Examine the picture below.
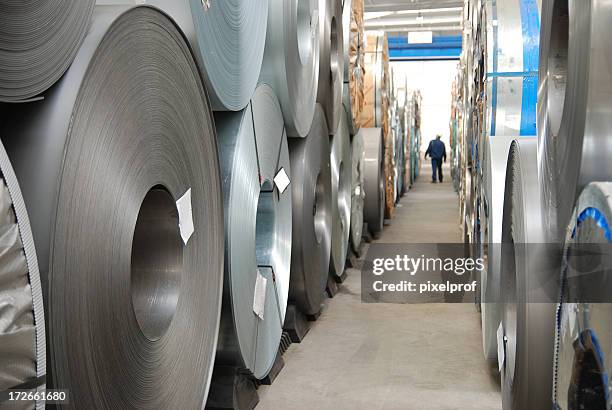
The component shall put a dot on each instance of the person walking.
(437, 152)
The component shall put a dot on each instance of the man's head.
(438, 136)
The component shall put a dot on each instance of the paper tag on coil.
(357, 190)
(281, 180)
(501, 350)
(185, 216)
(259, 297)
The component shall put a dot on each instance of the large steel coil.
(119, 170)
(357, 191)
(574, 105)
(253, 153)
(291, 60)
(22, 334)
(513, 32)
(341, 176)
(374, 182)
(527, 326)
(331, 63)
(312, 216)
(227, 38)
(354, 70)
(495, 156)
(583, 345)
(38, 41)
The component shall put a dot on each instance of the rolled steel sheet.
(583, 343)
(227, 38)
(512, 42)
(574, 105)
(291, 60)
(341, 177)
(495, 156)
(357, 191)
(354, 69)
(374, 183)
(527, 327)
(331, 61)
(253, 151)
(126, 164)
(22, 335)
(38, 41)
(312, 216)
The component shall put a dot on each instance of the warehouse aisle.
(386, 356)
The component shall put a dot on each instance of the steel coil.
(495, 156)
(312, 216)
(354, 69)
(22, 334)
(374, 183)
(575, 101)
(252, 152)
(357, 191)
(331, 62)
(583, 345)
(38, 42)
(227, 38)
(526, 327)
(291, 60)
(341, 176)
(513, 32)
(119, 170)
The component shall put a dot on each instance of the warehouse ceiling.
(442, 17)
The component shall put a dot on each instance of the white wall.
(434, 79)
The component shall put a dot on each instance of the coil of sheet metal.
(312, 215)
(227, 38)
(374, 183)
(354, 71)
(512, 42)
(253, 152)
(331, 61)
(357, 191)
(583, 335)
(22, 336)
(527, 267)
(291, 60)
(341, 176)
(574, 104)
(33, 59)
(139, 228)
(495, 156)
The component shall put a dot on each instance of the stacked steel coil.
(253, 152)
(38, 42)
(341, 178)
(374, 180)
(312, 216)
(126, 185)
(331, 62)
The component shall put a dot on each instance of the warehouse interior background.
(243, 204)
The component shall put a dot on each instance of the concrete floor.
(392, 356)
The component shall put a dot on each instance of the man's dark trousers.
(436, 165)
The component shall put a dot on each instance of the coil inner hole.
(156, 263)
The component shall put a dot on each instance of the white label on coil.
(501, 350)
(282, 180)
(185, 216)
(357, 190)
(259, 298)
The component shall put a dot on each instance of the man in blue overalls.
(437, 152)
